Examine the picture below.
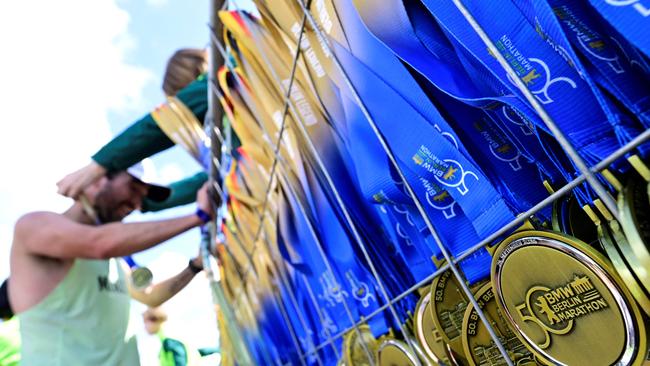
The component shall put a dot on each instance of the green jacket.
(144, 138)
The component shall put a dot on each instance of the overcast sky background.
(74, 73)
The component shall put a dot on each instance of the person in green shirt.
(185, 80)
(172, 351)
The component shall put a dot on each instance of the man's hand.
(73, 184)
(204, 200)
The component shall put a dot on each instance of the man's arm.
(158, 293)
(53, 235)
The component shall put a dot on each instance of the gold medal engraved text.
(554, 309)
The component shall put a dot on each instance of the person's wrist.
(97, 168)
(203, 215)
(193, 267)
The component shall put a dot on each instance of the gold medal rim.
(436, 321)
(420, 308)
(141, 277)
(556, 214)
(402, 346)
(348, 343)
(456, 356)
(637, 351)
(468, 311)
(623, 267)
(630, 225)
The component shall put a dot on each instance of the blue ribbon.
(630, 17)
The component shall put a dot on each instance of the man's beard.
(106, 208)
(107, 215)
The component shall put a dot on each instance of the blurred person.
(74, 296)
(172, 351)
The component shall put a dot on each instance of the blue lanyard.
(630, 17)
(570, 25)
(495, 149)
(509, 112)
(387, 107)
(551, 80)
(298, 240)
(275, 328)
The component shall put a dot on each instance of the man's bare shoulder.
(33, 220)
(36, 222)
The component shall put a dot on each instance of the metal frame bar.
(600, 190)
(409, 188)
(518, 221)
(277, 157)
(587, 174)
(339, 200)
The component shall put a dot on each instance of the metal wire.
(586, 174)
(283, 279)
(338, 198)
(276, 151)
(552, 126)
(407, 185)
(645, 136)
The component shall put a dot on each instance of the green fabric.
(183, 192)
(207, 351)
(144, 138)
(83, 321)
(10, 343)
(172, 353)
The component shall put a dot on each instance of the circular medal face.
(567, 304)
(427, 333)
(353, 349)
(448, 305)
(478, 343)
(634, 211)
(392, 352)
(141, 277)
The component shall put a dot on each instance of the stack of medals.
(402, 101)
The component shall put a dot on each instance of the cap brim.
(158, 193)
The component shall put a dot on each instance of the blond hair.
(183, 67)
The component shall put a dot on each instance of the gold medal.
(620, 253)
(566, 302)
(477, 342)
(634, 208)
(448, 305)
(393, 352)
(427, 334)
(569, 218)
(141, 277)
(353, 350)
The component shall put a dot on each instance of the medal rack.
(221, 134)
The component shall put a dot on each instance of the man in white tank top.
(68, 289)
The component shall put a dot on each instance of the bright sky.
(74, 73)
